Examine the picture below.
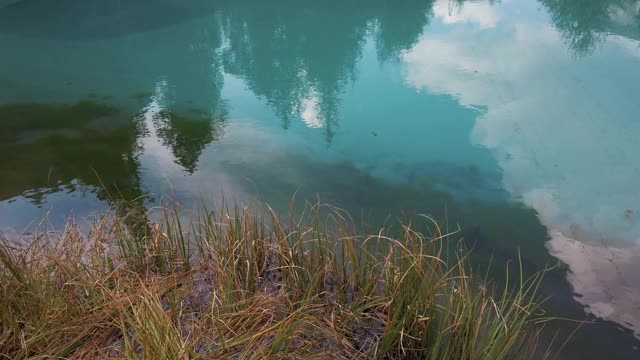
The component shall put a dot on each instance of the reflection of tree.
(297, 55)
(186, 137)
(94, 146)
(49, 148)
(285, 57)
(300, 56)
(57, 144)
(97, 18)
(584, 24)
(183, 127)
(400, 24)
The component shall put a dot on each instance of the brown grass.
(238, 284)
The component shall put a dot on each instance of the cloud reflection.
(571, 160)
(481, 13)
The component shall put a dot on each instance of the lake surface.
(517, 120)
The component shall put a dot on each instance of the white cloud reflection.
(309, 112)
(565, 133)
(480, 13)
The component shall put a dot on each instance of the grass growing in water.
(241, 284)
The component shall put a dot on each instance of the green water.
(517, 120)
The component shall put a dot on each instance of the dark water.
(517, 120)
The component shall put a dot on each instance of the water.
(516, 119)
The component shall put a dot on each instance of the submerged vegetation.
(254, 284)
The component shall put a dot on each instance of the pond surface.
(518, 120)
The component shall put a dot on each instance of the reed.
(253, 284)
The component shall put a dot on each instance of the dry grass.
(237, 284)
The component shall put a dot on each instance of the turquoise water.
(516, 119)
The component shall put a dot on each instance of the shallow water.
(516, 119)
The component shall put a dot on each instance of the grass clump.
(241, 284)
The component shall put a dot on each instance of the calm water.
(520, 118)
